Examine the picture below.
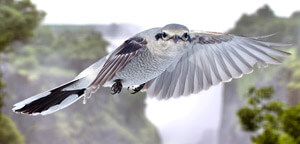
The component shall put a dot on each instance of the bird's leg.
(116, 87)
(139, 88)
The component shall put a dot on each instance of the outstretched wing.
(210, 59)
(119, 59)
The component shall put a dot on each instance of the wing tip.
(286, 53)
(263, 36)
(26, 107)
(17, 106)
(17, 109)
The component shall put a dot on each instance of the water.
(184, 120)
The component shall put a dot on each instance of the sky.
(183, 118)
(210, 15)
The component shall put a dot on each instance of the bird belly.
(141, 69)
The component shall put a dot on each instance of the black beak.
(175, 38)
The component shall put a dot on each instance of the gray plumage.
(171, 61)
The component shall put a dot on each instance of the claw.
(116, 87)
(139, 88)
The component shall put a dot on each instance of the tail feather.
(50, 101)
(62, 96)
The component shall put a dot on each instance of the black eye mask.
(160, 36)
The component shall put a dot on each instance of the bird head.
(175, 33)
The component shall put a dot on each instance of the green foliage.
(291, 121)
(2, 92)
(273, 121)
(264, 22)
(18, 18)
(293, 85)
(268, 136)
(17, 22)
(119, 119)
(250, 118)
(286, 139)
(265, 12)
(60, 53)
(9, 133)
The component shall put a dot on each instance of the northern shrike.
(171, 61)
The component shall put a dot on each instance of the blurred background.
(46, 43)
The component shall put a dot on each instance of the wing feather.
(261, 53)
(183, 79)
(230, 60)
(212, 58)
(119, 59)
(221, 61)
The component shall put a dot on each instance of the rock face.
(262, 22)
(104, 119)
(230, 132)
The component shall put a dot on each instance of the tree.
(264, 22)
(58, 53)
(9, 133)
(285, 77)
(265, 12)
(287, 30)
(2, 92)
(293, 86)
(272, 121)
(18, 18)
(55, 55)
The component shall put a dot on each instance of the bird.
(166, 62)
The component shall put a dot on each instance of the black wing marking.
(119, 59)
(55, 97)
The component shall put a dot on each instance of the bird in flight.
(169, 61)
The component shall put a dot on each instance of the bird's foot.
(139, 88)
(116, 87)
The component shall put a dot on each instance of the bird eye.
(164, 35)
(185, 36)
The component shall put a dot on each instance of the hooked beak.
(175, 38)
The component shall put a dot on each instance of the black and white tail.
(50, 101)
(62, 96)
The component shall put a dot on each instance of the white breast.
(141, 69)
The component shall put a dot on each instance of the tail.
(50, 101)
(62, 96)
